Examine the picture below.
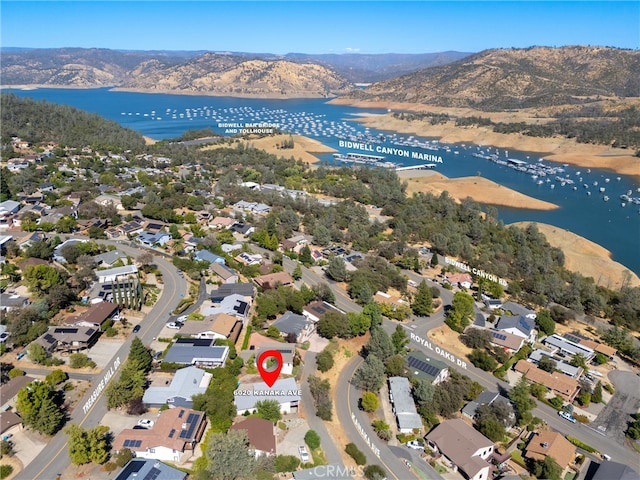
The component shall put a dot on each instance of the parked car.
(414, 444)
(145, 423)
(173, 325)
(182, 318)
(136, 329)
(304, 455)
(567, 416)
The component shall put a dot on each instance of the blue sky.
(318, 27)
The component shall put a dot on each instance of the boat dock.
(424, 166)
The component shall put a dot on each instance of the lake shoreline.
(554, 149)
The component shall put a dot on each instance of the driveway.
(613, 419)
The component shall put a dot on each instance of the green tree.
(39, 406)
(369, 402)
(40, 278)
(87, 446)
(139, 356)
(482, 360)
(337, 269)
(312, 439)
(269, 410)
(596, 396)
(359, 323)
(229, 455)
(380, 344)
(422, 304)
(545, 322)
(399, 339)
(374, 472)
(37, 354)
(324, 360)
(395, 365)
(547, 364)
(370, 375)
(520, 395)
(56, 377)
(461, 311)
(297, 272)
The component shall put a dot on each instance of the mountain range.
(495, 79)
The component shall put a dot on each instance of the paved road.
(421, 325)
(54, 457)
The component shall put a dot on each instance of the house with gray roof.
(147, 469)
(517, 309)
(566, 347)
(403, 405)
(486, 397)
(615, 471)
(113, 274)
(197, 351)
(226, 289)
(291, 322)
(107, 259)
(524, 327)
(12, 301)
(561, 365)
(153, 238)
(236, 305)
(186, 383)
(427, 368)
(207, 256)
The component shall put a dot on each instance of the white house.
(113, 274)
(289, 395)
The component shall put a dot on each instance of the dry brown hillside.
(502, 79)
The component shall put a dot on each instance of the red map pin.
(269, 376)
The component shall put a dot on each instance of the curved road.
(54, 458)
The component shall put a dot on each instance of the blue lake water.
(583, 209)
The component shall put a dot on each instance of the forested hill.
(502, 79)
(41, 121)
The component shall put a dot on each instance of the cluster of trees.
(41, 121)
(86, 446)
(40, 407)
(128, 389)
(217, 401)
(321, 392)
(492, 420)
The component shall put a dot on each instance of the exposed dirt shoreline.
(482, 190)
(556, 149)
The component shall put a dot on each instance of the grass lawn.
(318, 457)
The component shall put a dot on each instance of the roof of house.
(459, 441)
(173, 429)
(273, 279)
(126, 270)
(287, 350)
(261, 391)
(506, 339)
(152, 237)
(319, 308)
(519, 322)
(186, 383)
(598, 347)
(109, 257)
(191, 350)
(67, 335)
(406, 412)
(232, 304)
(424, 367)
(459, 278)
(486, 397)
(259, 433)
(223, 221)
(13, 386)
(208, 256)
(97, 313)
(556, 381)
(8, 420)
(222, 271)
(147, 469)
(561, 365)
(568, 346)
(226, 289)
(551, 444)
(291, 323)
(12, 300)
(615, 471)
(517, 309)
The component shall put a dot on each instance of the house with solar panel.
(201, 352)
(564, 346)
(426, 368)
(68, 339)
(175, 433)
(141, 469)
(519, 325)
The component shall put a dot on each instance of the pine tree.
(422, 301)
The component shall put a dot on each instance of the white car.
(304, 455)
(415, 445)
(567, 416)
(182, 318)
(143, 422)
(173, 325)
